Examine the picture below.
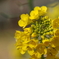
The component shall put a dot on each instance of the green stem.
(30, 3)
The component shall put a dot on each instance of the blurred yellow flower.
(53, 10)
(56, 33)
(44, 8)
(40, 48)
(55, 40)
(38, 55)
(18, 34)
(46, 42)
(34, 35)
(50, 55)
(43, 11)
(37, 8)
(55, 23)
(30, 51)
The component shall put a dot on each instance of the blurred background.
(10, 11)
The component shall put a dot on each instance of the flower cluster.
(41, 38)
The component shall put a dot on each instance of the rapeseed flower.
(56, 32)
(40, 48)
(34, 15)
(37, 8)
(55, 23)
(40, 39)
(28, 30)
(55, 40)
(24, 21)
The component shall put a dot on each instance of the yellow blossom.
(24, 17)
(40, 48)
(24, 21)
(50, 56)
(28, 30)
(34, 15)
(21, 47)
(38, 55)
(55, 23)
(46, 42)
(31, 46)
(37, 8)
(56, 33)
(30, 51)
(18, 34)
(44, 8)
(34, 57)
(51, 52)
(33, 43)
(55, 40)
(25, 38)
(41, 38)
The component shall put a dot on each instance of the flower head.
(41, 38)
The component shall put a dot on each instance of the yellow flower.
(21, 47)
(55, 23)
(37, 8)
(55, 40)
(22, 37)
(34, 57)
(44, 8)
(25, 38)
(24, 21)
(18, 34)
(51, 52)
(43, 11)
(38, 55)
(40, 48)
(33, 43)
(36, 40)
(50, 56)
(46, 42)
(56, 33)
(22, 41)
(24, 17)
(31, 46)
(30, 51)
(28, 30)
(34, 15)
